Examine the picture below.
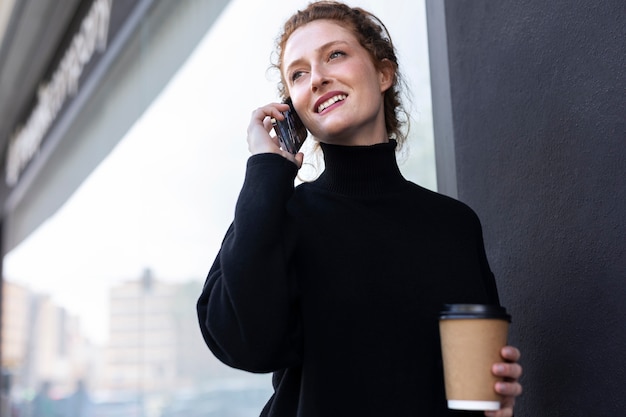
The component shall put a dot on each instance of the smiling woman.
(313, 57)
(111, 276)
(348, 110)
(335, 285)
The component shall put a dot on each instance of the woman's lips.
(328, 100)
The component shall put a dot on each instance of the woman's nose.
(319, 79)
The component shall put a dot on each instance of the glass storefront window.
(99, 302)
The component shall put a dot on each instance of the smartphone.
(290, 131)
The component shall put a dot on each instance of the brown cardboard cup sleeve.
(471, 338)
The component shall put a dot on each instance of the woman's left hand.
(510, 371)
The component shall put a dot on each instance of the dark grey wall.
(530, 125)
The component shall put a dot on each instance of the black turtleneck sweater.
(335, 285)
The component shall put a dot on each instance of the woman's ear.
(387, 74)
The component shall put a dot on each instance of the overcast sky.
(165, 196)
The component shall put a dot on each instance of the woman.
(335, 286)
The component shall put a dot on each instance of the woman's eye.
(295, 75)
(336, 54)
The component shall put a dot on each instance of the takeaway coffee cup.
(472, 336)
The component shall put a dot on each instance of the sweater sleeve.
(247, 309)
(489, 280)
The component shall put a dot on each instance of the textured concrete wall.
(536, 124)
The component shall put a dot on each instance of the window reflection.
(99, 303)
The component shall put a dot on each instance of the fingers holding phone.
(290, 133)
(259, 138)
(290, 130)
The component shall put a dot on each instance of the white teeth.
(331, 101)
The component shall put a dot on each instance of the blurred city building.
(42, 343)
(154, 344)
(154, 348)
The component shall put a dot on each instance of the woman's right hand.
(259, 138)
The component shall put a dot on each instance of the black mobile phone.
(290, 131)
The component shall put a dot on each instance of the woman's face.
(334, 86)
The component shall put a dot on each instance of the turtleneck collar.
(360, 170)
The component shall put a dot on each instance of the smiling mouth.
(330, 102)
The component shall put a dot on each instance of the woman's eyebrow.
(330, 44)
